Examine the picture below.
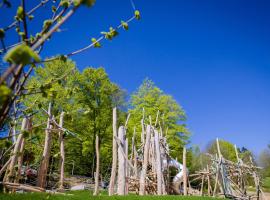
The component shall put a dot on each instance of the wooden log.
(218, 148)
(23, 187)
(5, 167)
(114, 154)
(158, 164)
(20, 161)
(62, 152)
(216, 180)
(44, 164)
(11, 171)
(145, 161)
(202, 185)
(127, 166)
(208, 182)
(121, 189)
(184, 171)
(96, 191)
(143, 132)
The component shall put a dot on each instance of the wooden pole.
(202, 185)
(208, 182)
(114, 149)
(20, 161)
(62, 152)
(184, 171)
(11, 171)
(96, 191)
(44, 164)
(158, 164)
(145, 161)
(127, 167)
(121, 189)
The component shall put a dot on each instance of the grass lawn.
(86, 195)
(266, 184)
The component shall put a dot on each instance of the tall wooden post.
(62, 152)
(121, 190)
(96, 192)
(202, 185)
(13, 160)
(158, 164)
(44, 164)
(127, 166)
(114, 159)
(184, 171)
(145, 161)
(208, 182)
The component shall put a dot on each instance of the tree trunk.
(62, 153)
(96, 192)
(114, 154)
(44, 164)
(145, 161)
(121, 189)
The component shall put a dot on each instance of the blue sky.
(212, 56)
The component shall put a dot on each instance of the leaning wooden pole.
(44, 164)
(96, 191)
(62, 152)
(145, 160)
(114, 158)
(13, 160)
(184, 171)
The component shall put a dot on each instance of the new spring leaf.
(21, 54)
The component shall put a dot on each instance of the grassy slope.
(86, 195)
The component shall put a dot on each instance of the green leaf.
(137, 14)
(53, 9)
(5, 93)
(2, 33)
(20, 13)
(88, 3)
(47, 24)
(30, 17)
(64, 3)
(124, 25)
(21, 54)
(96, 44)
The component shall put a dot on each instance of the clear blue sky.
(213, 57)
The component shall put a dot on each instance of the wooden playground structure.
(145, 168)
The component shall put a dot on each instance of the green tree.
(226, 148)
(171, 115)
(87, 99)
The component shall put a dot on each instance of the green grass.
(85, 195)
(266, 184)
